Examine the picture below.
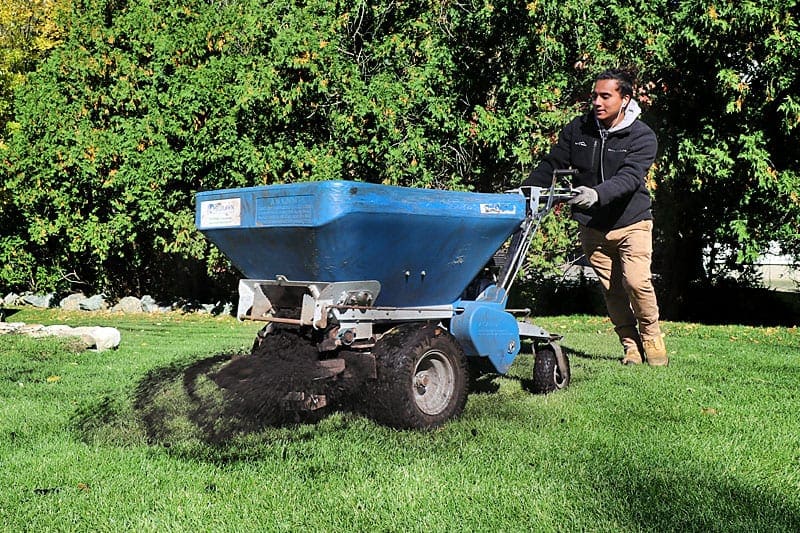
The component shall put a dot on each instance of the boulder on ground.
(94, 303)
(102, 338)
(10, 327)
(149, 305)
(72, 302)
(129, 304)
(39, 300)
(98, 337)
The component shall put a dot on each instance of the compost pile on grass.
(260, 389)
(219, 397)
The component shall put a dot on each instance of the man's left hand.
(585, 198)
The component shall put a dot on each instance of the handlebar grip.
(561, 172)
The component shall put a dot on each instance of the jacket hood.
(632, 112)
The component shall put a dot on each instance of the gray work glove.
(585, 198)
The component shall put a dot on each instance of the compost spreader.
(399, 293)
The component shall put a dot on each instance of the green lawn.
(118, 440)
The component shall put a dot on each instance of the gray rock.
(107, 338)
(39, 300)
(99, 337)
(94, 303)
(219, 308)
(61, 330)
(10, 327)
(129, 304)
(102, 338)
(186, 306)
(85, 334)
(11, 299)
(149, 305)
(35, 330)
(58, 330)
(72, 302)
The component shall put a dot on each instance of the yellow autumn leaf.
(53, 379)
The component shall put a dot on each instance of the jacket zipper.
(603, 137)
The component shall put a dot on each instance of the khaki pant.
(621, 259)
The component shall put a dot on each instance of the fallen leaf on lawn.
(53, 379)
(709, 411)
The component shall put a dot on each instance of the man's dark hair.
(624, 80)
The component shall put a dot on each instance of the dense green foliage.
(27, 31)
(160, 99)
(147, 102)
(728, 120)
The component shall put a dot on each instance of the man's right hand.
(585, 198)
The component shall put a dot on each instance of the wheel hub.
(421, 381)
(434, 379)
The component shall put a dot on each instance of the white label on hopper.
(498, 209)
(220, 213)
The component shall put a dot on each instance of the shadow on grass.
(522, 372)
(203, 402)
(170, 406)
(5, 312)
(662, 494)
(223, 398)
(580, 354)
(220, 398)
(180, 407)
(742, 305)
(725, 304)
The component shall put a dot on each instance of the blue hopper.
(413, 281)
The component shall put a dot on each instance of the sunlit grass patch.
(143, 438)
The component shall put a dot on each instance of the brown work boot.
(632, 355)
(655, 351)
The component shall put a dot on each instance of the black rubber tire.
(547, 376)
(421, 378)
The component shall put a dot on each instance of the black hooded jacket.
(615, 166)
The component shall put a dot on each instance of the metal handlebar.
(521, 240)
